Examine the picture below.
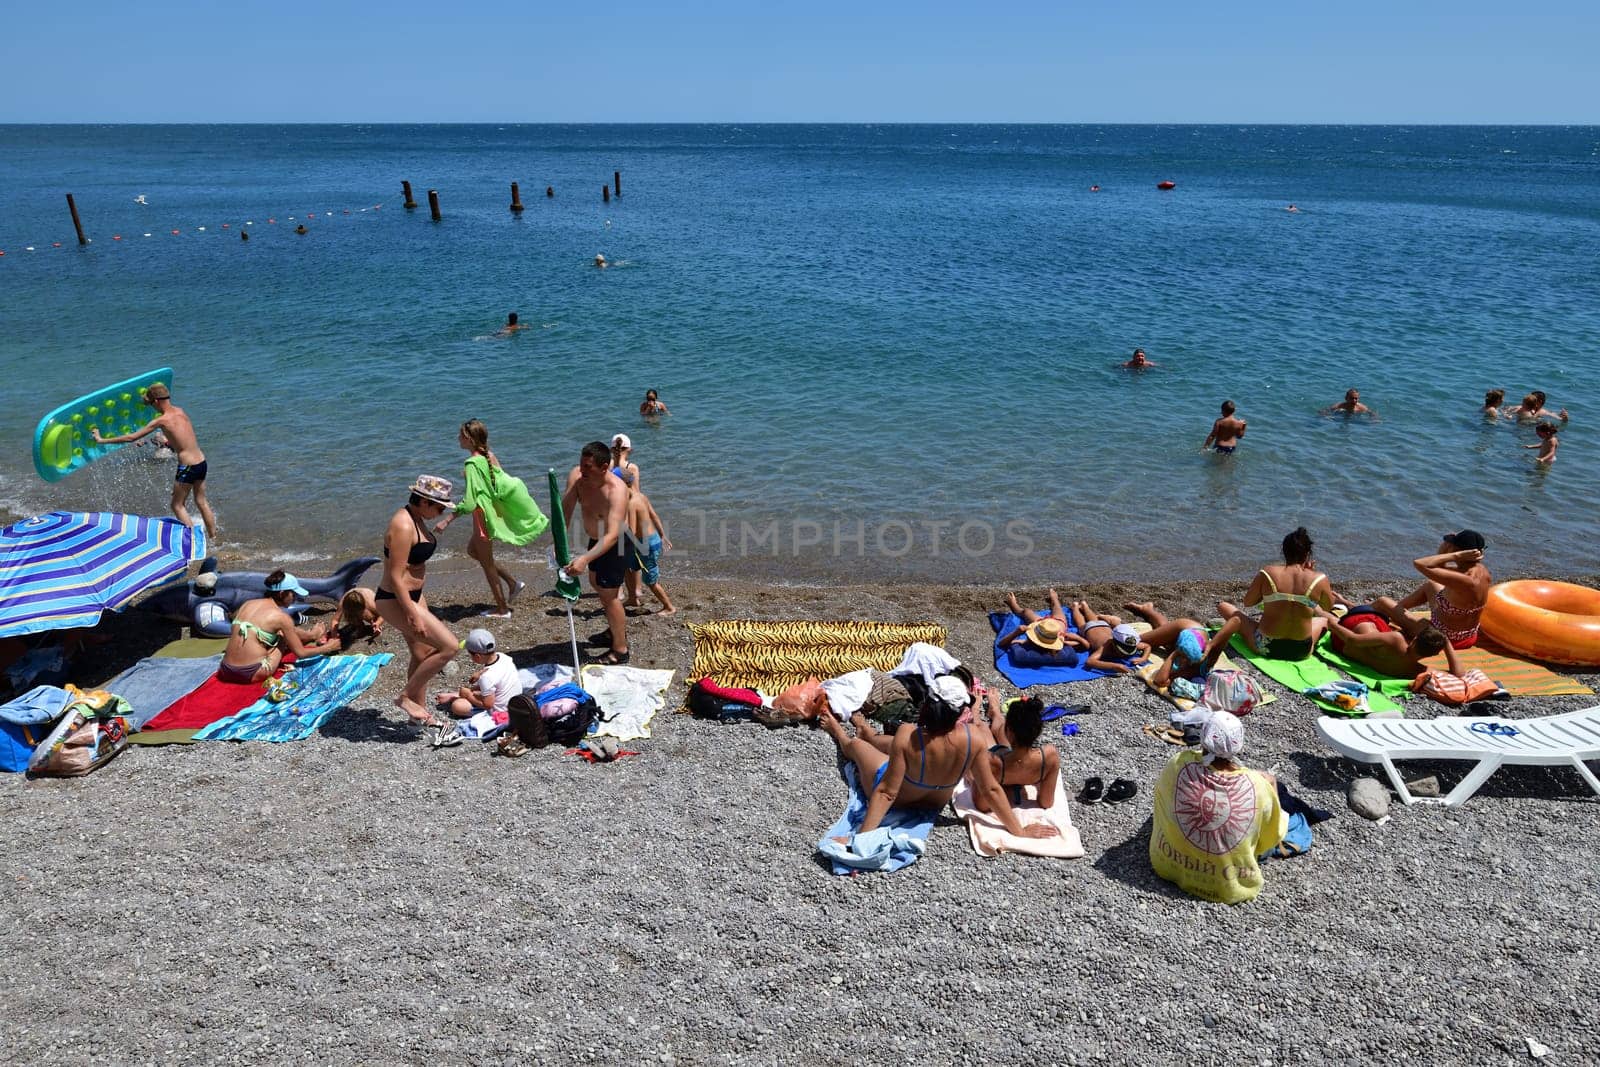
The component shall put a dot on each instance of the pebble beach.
(360, 897)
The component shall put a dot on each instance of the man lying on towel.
(1391, 646)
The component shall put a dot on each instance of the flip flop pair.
(1094, 791)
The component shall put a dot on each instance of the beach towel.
(1184, 704)
(990, 837)
(1003, 622)
(1302, 674)
(192, 648)
(1516, 674)
(772, 656)
(214, 700)
(897, 843)
(317, 688)
(629, 698)
(157, 682)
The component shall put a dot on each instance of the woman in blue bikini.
(1289, 594)
(942, 755)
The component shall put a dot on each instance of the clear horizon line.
(1542, 124)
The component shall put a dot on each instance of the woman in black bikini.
(1015, 760)
(407, 547)
(942, 755)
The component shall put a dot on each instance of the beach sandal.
(1170, 734)
(1093, 790)
(516, 591)
(613, 659)
(1056, 711)
(1121, 789)
(511, 746)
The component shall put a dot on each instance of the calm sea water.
(890, 351)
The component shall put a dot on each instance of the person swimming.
(1492, 400)
(1139, 361)
(1547, 443)
(511, 326)
(1350, 405)
(600, 261)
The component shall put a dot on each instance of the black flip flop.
(1121, 789)
(1093, 790)
(612, 659)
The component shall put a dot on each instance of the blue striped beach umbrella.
(65, 568)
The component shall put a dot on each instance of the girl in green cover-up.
(501, 510)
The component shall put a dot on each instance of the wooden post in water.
(433, 204)
(616, 179)
(516, 200)
(605, 193)
(410, 203)
(77, 224)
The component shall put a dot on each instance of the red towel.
(214, 700)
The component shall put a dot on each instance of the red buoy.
(1166, 185)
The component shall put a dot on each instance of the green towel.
(1382, 683)
(509, 513)
(1300, 675)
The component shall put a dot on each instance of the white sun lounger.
(1564, 740)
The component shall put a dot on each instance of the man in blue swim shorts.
(173, 423)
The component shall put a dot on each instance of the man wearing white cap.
(1213, 817)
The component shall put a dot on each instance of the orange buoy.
(1554, 621)
(1166, 185)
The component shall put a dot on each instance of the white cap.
(949, 688)
(1222, 736)
(622, 440)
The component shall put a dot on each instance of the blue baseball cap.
(290, 584)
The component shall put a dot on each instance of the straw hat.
(432, 487)
(1048, 634)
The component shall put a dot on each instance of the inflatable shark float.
(207, 603)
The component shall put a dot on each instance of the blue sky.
(616, 61)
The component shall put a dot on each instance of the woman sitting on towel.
(926, 761)
(1041, 640)
(1016, 757)
(1289, 595)
(263, 632)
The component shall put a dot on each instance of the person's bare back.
(174, 422)
(640, 514)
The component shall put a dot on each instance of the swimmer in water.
(1532, 407)
(652, 406)
(1547, 443)
(1292, 210)
(301, 229)
(1138, 361)
(511, 326)
(1350, 405)
(1491, 403)
(1225, 432)
(600, 261)
(1094, 188)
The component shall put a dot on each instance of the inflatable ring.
(1553, 621)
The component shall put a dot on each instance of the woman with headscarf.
(1213, 817)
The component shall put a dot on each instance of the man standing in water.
(173, 423)
(604, 502)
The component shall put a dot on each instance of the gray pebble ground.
(361, 898)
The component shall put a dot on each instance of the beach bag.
(28, 720)
(536, 731)
(89, 735)
(1447, 688)
(709, 700)
(796, 704)
(1231, 691)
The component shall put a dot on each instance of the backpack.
(1232, 691)
(536, 731)
(708, 700)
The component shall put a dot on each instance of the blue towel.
(902, 837)
(154, 684)
(25, 722)
(322, 687)
(564, 691)
(1297, 839)
(1022, 677)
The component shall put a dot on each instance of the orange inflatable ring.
(1554, 621)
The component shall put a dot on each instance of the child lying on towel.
(1193, 654)
(1041, 640)
(1394, 646)
(1114, 646)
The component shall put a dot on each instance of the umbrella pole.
(572, 631)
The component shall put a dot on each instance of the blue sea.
(890, 352)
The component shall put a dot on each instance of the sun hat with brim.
(432, 487)
(1126, 638)
(1048, 634)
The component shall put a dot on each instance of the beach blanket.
(1300, 675)
(192, 648)
(213, 700)
(1003, 622)
(898, 843)
(990, 837)
(318, 688)
(1148, 672)
(157, 682)
(629, 698)
(772, 656)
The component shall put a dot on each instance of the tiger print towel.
(772, 656)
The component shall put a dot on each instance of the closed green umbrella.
(566, 585)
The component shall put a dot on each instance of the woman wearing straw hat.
(407, 547)
(1041, 640)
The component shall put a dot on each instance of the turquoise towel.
(323, 686)
(901, 839)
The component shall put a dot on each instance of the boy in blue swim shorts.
(645, 546)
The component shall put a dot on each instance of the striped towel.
(772, 656)
(1517, 676)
